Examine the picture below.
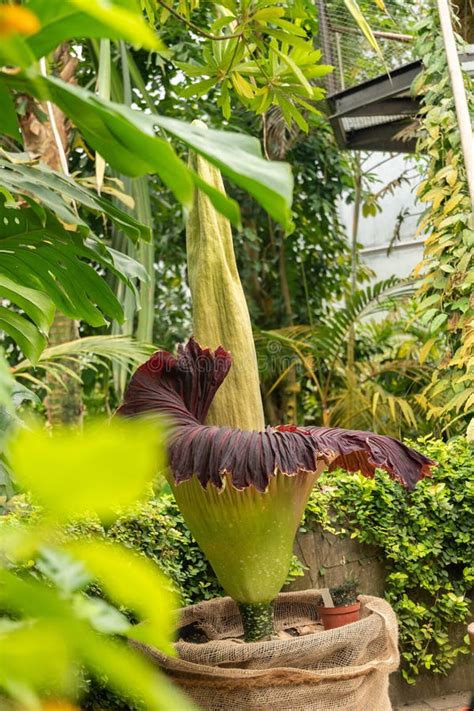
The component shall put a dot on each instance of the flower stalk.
(257, 620)
(220, 313)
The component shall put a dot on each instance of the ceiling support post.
(459, 92)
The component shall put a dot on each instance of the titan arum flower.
(241, 488)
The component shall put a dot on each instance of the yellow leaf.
(424, 352)
(364, 26)
(242, 86)
(375, 402)
(269, 13)
(418, 268)
(470, 431)
(452, 177)
(435, 194)
(421, 187)
(452, 202)
(391, 404)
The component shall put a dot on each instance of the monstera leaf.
(43, 265)
(129, 142)
(47, 251)
(19, 174)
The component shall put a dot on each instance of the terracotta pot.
(333, 617)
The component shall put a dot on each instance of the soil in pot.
(333, 617)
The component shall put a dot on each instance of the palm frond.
(66, 359)
(331, 336)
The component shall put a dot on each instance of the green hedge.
(426, 539)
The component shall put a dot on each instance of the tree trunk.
(64, 400)
(465, 11)
(291, 385)
(353, 287)
(45, 131)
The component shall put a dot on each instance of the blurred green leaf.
(116, 19)
(30, 598)
(106, 467)
(68, 574)
(8, 118)
(123, 17)
(15, 51)
(115, 568)
(35, 654)
(102, 616)
(134, 676)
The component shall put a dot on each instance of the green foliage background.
(426, 543)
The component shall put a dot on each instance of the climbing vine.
(446, 294)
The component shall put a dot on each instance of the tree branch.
(196, 28)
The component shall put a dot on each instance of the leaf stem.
(196, 28)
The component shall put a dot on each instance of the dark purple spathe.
(183, 388)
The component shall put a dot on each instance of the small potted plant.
(345, 606)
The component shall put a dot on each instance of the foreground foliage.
(426, 542)
(51, 628)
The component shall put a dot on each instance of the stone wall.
(329, 561)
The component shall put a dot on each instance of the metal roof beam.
(395, 106)
(383, 87)
(381, 138)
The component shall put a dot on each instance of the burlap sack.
(338, 670)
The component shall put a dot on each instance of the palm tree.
(378, 389)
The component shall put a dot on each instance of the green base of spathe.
(247, 536)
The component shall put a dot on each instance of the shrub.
(426, 539)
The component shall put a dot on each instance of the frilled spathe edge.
(183, 388)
